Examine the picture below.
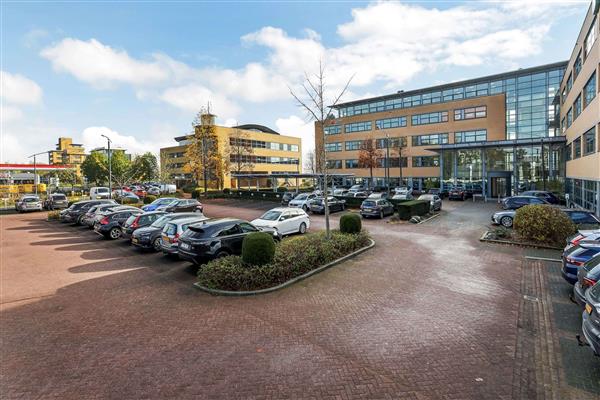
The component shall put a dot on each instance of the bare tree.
(239, 151)
(313, 163)
(368, 156)
(312, 99)
(398, 146)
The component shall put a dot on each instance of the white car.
(28, 202)
(402, 196)
(286, 220)
(99, 192)
(303, 201)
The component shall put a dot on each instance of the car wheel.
(114, 233)
(78, 222)
(302, 228)
(156, 244)
(221, 254)
(305, 208)
(506, 222)
(381, 215)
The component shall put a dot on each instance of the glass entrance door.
(499, 187)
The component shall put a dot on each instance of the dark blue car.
(574, 257)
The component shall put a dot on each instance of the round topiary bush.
(258, 248)
(543, 224)
(350, 223)
(149, 199)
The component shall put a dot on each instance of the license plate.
(588, 308)
(134, 240)
(184, 246)
(166, 239)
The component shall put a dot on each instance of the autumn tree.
(368, 155)
(239, 151)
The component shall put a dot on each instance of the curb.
(430, 218)
(283, 285)
(536, 246)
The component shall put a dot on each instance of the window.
(426, 161)
(569, 83)
(334, 164)
(351, 164)
(577, 107)
(563, 125)
(589, 40)
(390, 123)
(569, 152)
(589, 142)
(470, 113)
(358, 127)
(429, 118)
(353, 145)
(394, 142)
(425, 140)
(577, 148)
(333, 146)
(332, 129)
(577, 65)
(470, 136)
(589, 90)
(246, 227)
(569, 117)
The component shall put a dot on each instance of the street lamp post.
(35, 169)
(109, 167)
(387, 162)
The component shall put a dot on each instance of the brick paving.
(429, 313)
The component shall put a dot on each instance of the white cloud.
(34, 37)
(91, 138)
(18, 89)
(193, 97)
(102, 66)
(9, 113)
(298, 127)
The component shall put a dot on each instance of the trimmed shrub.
(410, 208)
(543, 224)
(258, 248)
(53, 215)
(149, 199)
(350, 223)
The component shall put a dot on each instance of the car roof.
(211, 223)
(154, 212)
(183, 221)
(522, 197)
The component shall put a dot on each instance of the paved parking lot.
(429, 313)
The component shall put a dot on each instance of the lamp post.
(109, 167)
(387, 162)
(35, 168)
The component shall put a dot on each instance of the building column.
(515, 185)
(483, 174)
(441, 171)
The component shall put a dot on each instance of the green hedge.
(408, 209)
(293, 257)
(350, 223)
(258, 248)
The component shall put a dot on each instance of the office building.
(67, 153)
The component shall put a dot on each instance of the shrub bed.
(543, 224)
(410, 208)
(293, 257)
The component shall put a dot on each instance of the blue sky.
(138, 71)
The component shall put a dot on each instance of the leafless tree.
(312, 99)
(239, 151)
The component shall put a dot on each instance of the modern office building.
(246, 149)
(67, 153)
(580, 117)
(498, 134)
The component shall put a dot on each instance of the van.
(100, 192)
(168, 189)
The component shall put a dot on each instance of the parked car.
(590, 324)
(587, 276)
(182, 205)
(504, 218)
(154, 191)
(435, 191)
(99, 192)
(287, 196)
(584, 234)
(341, 192)
(28, 202)
(376, 208)
(110, 225)
(137, 221)
(403, 196)
(358, 188)
(76, 211)
(581, 218)
(359, 195)
(457, 193)
(317, 205)
(302, 201)
(89, 217)
(139, 192)
(168, 188)
(434, 200)
(402, 189)
(285, 220)
(574, 257)
(548, 196)
(124, 196)
(516, 202)
(56, 201)
(378, 195)
(163, 201)
(216, 238)
(169, 239)
(149, 237)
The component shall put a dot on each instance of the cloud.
(17, 89)
(9, 113)
(91, 138)
(102, 66)
(297, 127)
(193, 97)
(34, 37)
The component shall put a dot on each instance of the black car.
(587, 276)
(110, 225)
(183, 205)
(76, 212)
(582, 218)
(457, 193)
(149, 237)
(591, 318)
(216, 238)
(376, 208)
(55, 201)
(317, 205)
(287, 196)
(137, 221)
(516, 202)
(548, 196)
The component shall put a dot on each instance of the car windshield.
(59, 197)
(161, 222)
(301, 197)
(130, 220)
(369, 203)
(163, 201)
(592, 263)
(271, 215)
(30, 199)
(170, 229)
(102, 190)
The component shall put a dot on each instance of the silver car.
(29, 202)
(504, 218)
(433, 199)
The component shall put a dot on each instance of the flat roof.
(286, 175)
(444, 86)
(246, 127)
(500, 143)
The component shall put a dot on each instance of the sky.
(139, 71)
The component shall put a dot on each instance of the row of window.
(176, 155)
(588, 42)
(260, 144)
(584, 144)
(392, 162)
(252, 159)
(581, 102)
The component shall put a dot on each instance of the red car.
(139, 192)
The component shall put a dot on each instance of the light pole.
(387, 162)
(109, 167)
(35, 168)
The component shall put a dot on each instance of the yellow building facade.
(68, 153)
(270, 152)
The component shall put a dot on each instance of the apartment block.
(67, 153)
